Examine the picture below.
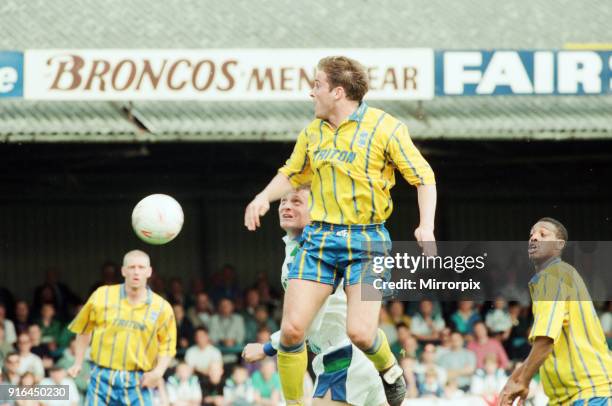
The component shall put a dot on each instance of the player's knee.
(291, 333)
(362, 336)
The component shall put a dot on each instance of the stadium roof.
(462, 24)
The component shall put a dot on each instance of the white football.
(157, 219)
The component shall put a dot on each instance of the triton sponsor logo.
(333, 154)
(129, 324)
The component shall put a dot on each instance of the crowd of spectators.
(447, 349)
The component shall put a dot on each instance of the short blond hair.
(135, 253)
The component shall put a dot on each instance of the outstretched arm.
(518, 383)
(277, 188)
(427, 198)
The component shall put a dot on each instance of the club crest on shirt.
(153, 316)
(363, 138)
(342, 233)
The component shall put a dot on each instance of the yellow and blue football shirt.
(580, 366)
(126, 337)
(351, 169)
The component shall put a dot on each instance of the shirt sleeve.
(166, 334)
(84, 322)
(275, 339)
(407, 158)
(549, 314)
(297, 168)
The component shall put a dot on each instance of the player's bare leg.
(303, 300)
(362, 329)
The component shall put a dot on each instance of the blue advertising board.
(11, 74)
(523, 72)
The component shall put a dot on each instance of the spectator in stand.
(8, 300)
(51, 328)
(224, 284)
(267, 384)
(430, 387)
(158, 286)
(39, 348)
(238, 390)
(261, 319)
(176, 294)
(227, 331)
(428, 357)
(212, 385)
(29, 362)
(425, 325)
(196, 286)
(184, 387)
(407, 364)
(267, 295)
(517, 346)
(184, 330)
(452, 391)
(403, 332)
(56, 292)
(109, 273)
(10, 335)
(411, 348)
(465, 317)
(459, 363)
(27, 379)
(512, 290)
(397, 312)
(58, 376)
(67, 360)
(203, 354)
(263, 336)
(489, 381)
(484, 345)
(498, 319)
(5, 348)
(22, 317)
(10, 371)
(251, 301)
(606, 323)
(200, 314)
(445, 343)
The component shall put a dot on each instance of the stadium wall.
(76, 237)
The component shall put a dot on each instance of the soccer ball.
(157, 219)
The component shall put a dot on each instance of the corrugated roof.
(469, 24)
(24, 121)
(453, 118)
(460, 24)
(479, 117)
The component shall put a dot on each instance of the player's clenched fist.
(426, 240)
(257, 208)
(74, 370)
(253, 352)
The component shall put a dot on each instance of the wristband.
(269, 350)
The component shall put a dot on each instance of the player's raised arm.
(277, 188)
(415, 169)
(296, 172)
